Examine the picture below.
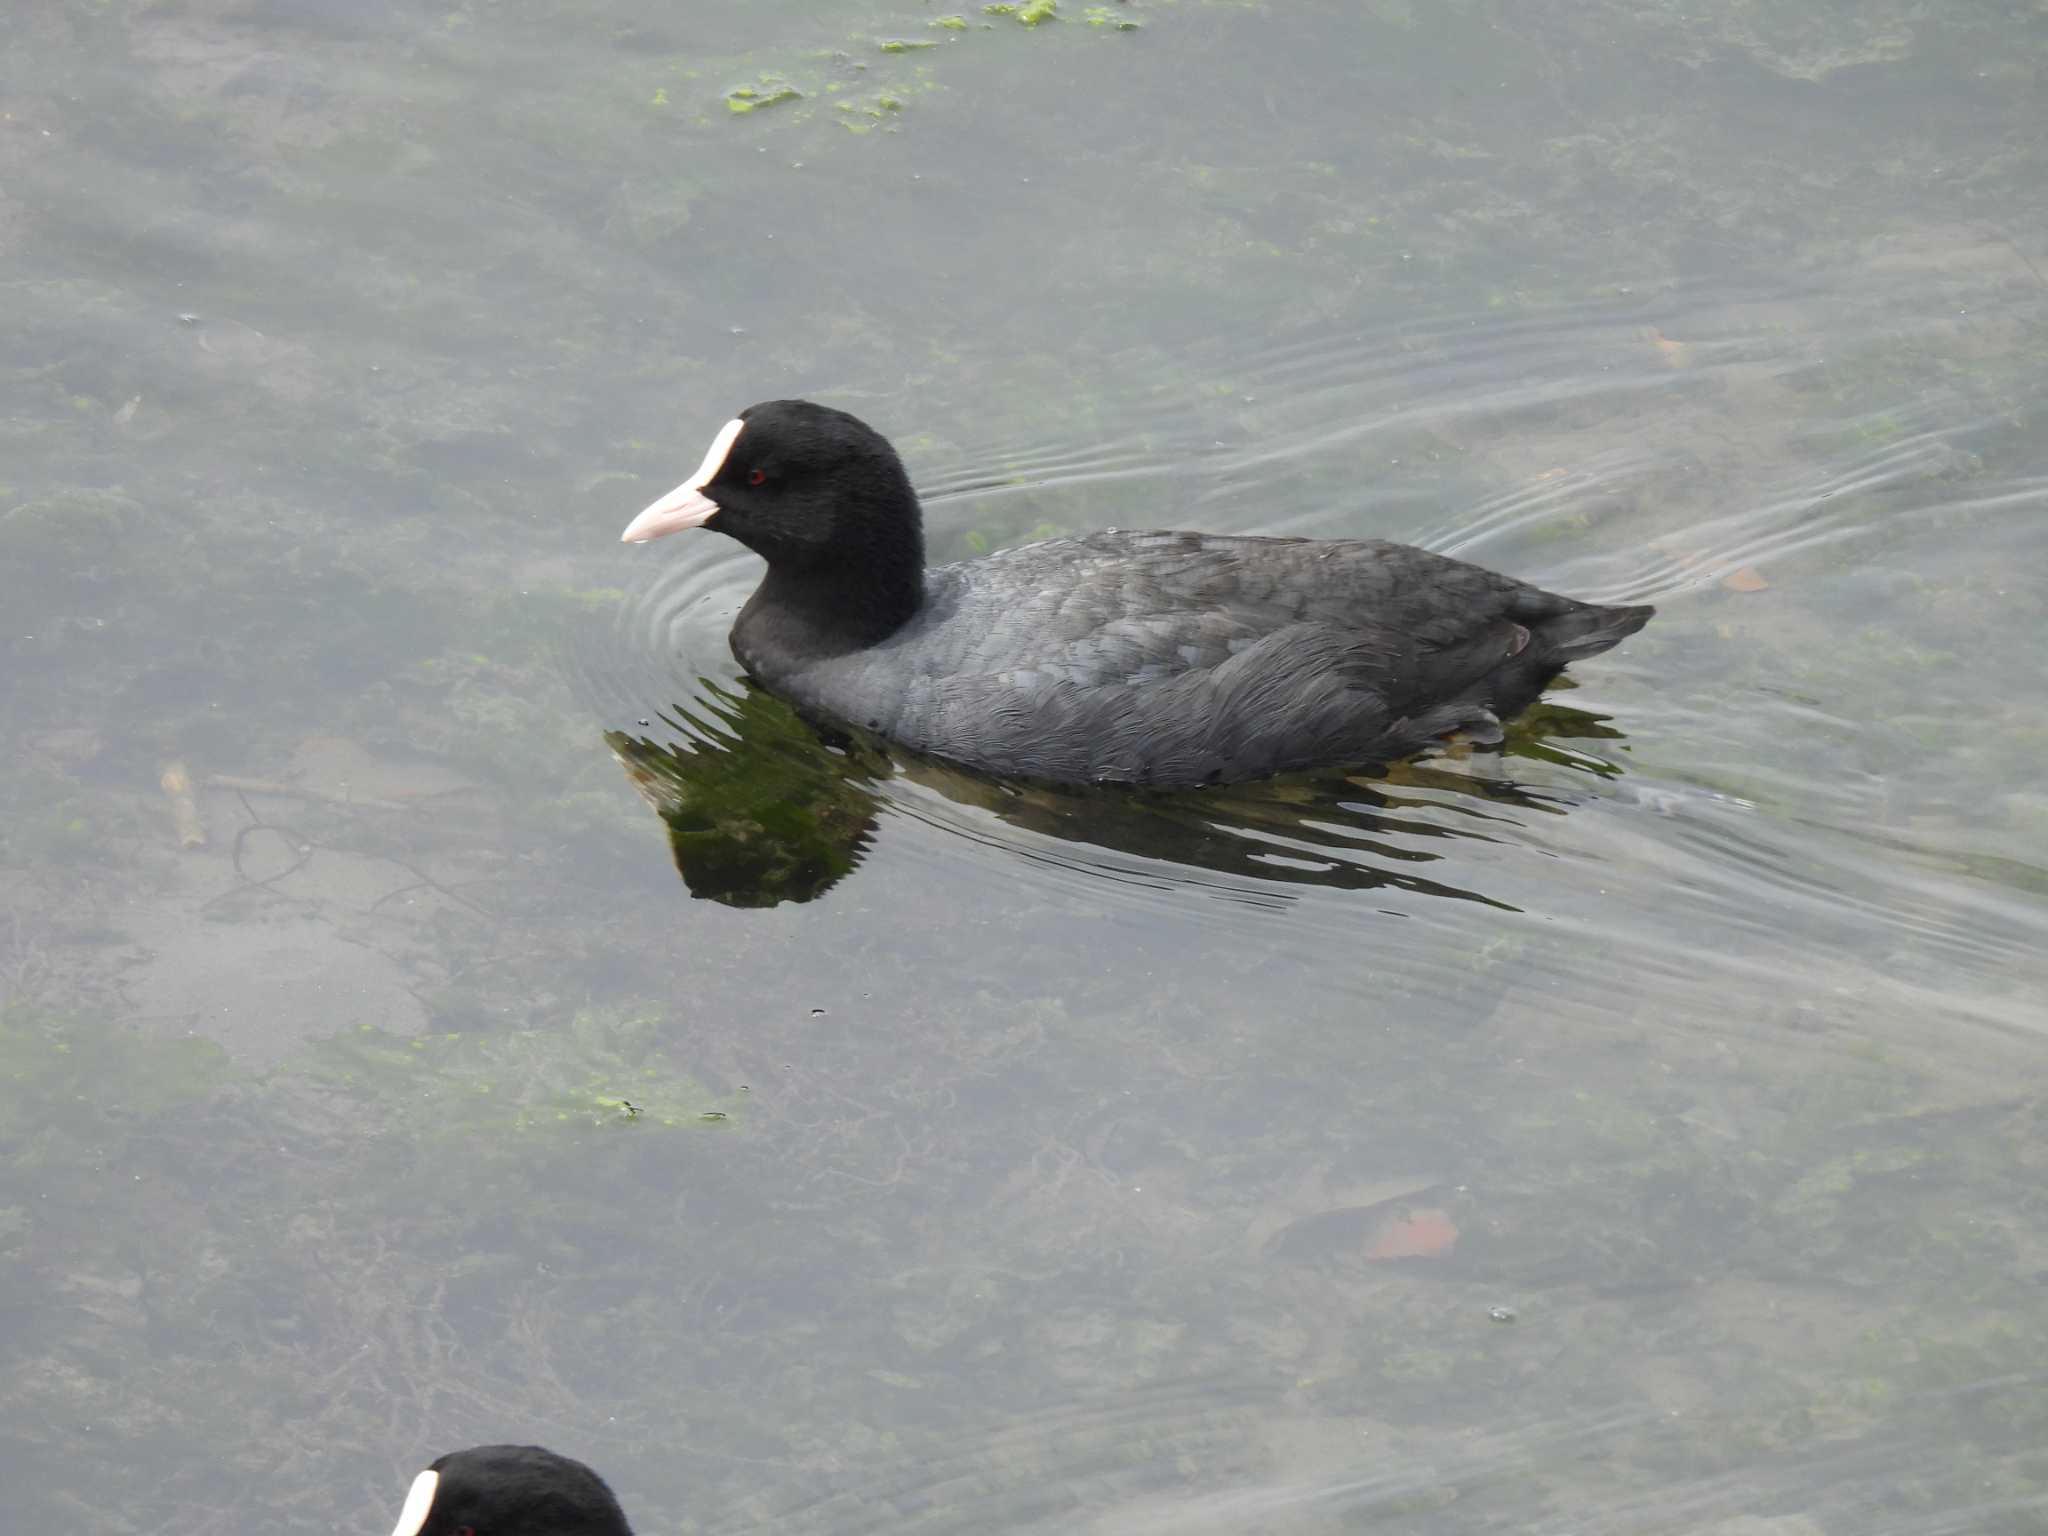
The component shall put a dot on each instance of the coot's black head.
(510, 1490)
(804, 486)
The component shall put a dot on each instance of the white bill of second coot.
(510, 1490)
(1157, 658)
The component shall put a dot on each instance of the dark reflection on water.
(762, 808)
(759, 809)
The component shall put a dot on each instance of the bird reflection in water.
(762, 808)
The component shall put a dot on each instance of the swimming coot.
(510, 1490)
(1166, 659)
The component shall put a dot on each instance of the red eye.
(757, 477)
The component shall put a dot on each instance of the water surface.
(1636, 1131)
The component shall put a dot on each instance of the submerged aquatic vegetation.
(601, 1067)
(70, 1077)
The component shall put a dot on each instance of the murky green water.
(1641, 1131)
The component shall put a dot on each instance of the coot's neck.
(846, 605)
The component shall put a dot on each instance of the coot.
(1165, 659)
(510, 1490)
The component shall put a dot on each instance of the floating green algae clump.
(1029, 13)
(880, 107)
(951, 23)
(1105, 16)
(752, 98)
(906, 44)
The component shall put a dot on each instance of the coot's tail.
(1588, 629)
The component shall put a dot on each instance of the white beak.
(686, 506)
(419, 1503)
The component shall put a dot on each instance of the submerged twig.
(249, 786)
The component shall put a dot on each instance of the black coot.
(1166, 659)
(510, 1490)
